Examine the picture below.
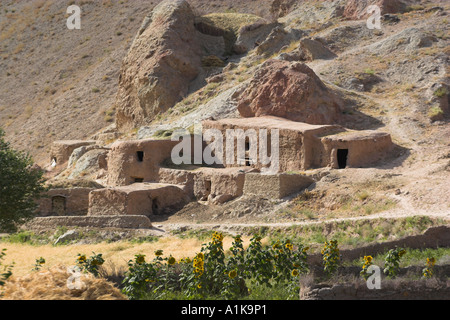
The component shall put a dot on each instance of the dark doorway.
(140, 156)
(138, 180)
(59, 205)
(208, 186)
(342, 155)
(155, 206)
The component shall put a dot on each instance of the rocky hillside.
(141, 69)
(57, 83)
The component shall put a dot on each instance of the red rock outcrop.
(357, 9)
(289, 90)
(164, 58)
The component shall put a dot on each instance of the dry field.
(116, 255)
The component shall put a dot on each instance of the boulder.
(163, 59)
(277, 39)
(407, 41)
(280, 8)
(251, 35)
(89, 163)
(357, 9)
(289, 90)
(315, 50)
(68, 236)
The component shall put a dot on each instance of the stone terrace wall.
(390, 290)
(125, 222)
(434, 237)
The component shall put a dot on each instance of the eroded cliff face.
(164, 58)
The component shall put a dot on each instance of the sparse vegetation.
(441, 92)
(435, 112)
(5, 270)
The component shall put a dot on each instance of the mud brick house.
(139, 183)
(304, 146)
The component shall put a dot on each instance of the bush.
(5, 270)
(392, 262)
(20, 186)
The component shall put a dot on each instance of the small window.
(140, 156)
(155, 206)
(138, 180)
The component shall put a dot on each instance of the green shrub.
(20, 186)
(91, 264)
(330, 256)
(5, 270)
(441, 92)
(392, 262)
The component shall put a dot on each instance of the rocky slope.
(187, 61)
(57, 83)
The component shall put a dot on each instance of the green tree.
(20, 186)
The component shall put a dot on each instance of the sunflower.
(140, 259)
(171, 261)
(232, 274)
(82, 258)
(158, 253)
(96, 262)
(217, 237)
(186, 260)
(295, 273)
(431, 262)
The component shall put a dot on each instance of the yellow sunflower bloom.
(232, 274)
(171, 261)
(140, 259)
